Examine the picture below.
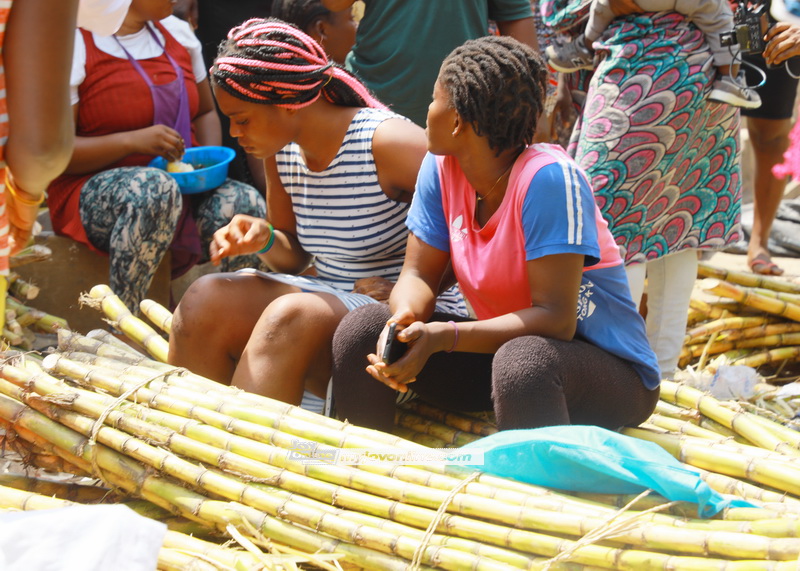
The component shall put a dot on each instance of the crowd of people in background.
(408, 163)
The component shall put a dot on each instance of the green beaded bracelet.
(270, 242)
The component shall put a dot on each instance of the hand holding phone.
(393, 349)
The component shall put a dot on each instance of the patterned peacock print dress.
(663, 160)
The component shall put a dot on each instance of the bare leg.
(214, 320)
(770, 139)
(289, 350)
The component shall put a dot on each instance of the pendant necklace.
(491, 190)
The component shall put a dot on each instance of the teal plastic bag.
(593, 459)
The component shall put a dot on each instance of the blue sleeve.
(558, 214)
(426, 217)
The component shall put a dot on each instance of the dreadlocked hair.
(271, 62)
(497, 85)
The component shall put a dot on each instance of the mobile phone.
(393, 349)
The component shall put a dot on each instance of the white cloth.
(670, 281)
(80, 538)
(140, 45)
(103, 17)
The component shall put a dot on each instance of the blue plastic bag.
(593, 459)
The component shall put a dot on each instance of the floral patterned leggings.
(132, 213)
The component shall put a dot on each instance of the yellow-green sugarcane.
(459, 421)
(718, 543)
(749, 298)
(121, 318)
(730, 543)
(771, 356)
(698, 453)
(748, 279)
(701, 332)
(450, 436)
(159, 315)
(740, 422)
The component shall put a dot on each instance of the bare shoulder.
(398, 135)
(398, 147)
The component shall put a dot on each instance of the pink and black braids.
(271, 62)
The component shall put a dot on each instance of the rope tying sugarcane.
(613, 526)
(98, 424)
(416, 561)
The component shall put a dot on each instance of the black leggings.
(530, 382)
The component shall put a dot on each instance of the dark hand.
(161, 141)
(783, 42)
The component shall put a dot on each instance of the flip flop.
(765, 267)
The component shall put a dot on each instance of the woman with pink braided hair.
(340, 173)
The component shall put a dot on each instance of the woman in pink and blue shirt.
(519, 225)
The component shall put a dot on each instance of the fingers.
(376, 369)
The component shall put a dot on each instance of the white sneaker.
(566, 57)
(734, 92)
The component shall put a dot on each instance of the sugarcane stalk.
(106, 337)
(121, 318)
(777, 475)
(30, 254)
(751, 299)
(458, 421)
(159, 315)
(771, 356)
(450, 436)
(71, 491)
(23, 289)
(707, 309)
(740, 422)
(747, 279)
(683, 427)
(729, 323)
(419, 437)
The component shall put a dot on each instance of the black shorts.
(778, 92)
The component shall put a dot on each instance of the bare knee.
(299, 318)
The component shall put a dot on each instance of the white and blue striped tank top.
(344, 219)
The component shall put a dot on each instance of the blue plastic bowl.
(211, 168)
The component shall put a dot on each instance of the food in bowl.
(210, 166)
(179, 166)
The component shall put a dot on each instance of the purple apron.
(171, 108)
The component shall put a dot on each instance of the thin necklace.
(505, 172)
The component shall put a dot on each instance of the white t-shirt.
(140, 45)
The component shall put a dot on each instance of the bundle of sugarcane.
(240, 463)
(180, 550)
(746, 318)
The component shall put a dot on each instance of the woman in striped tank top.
(340, 172)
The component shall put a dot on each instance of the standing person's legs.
(769, 139)
(131, 213)
(670, 281)
(768, 128)
(637, 275)
(537, 381)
